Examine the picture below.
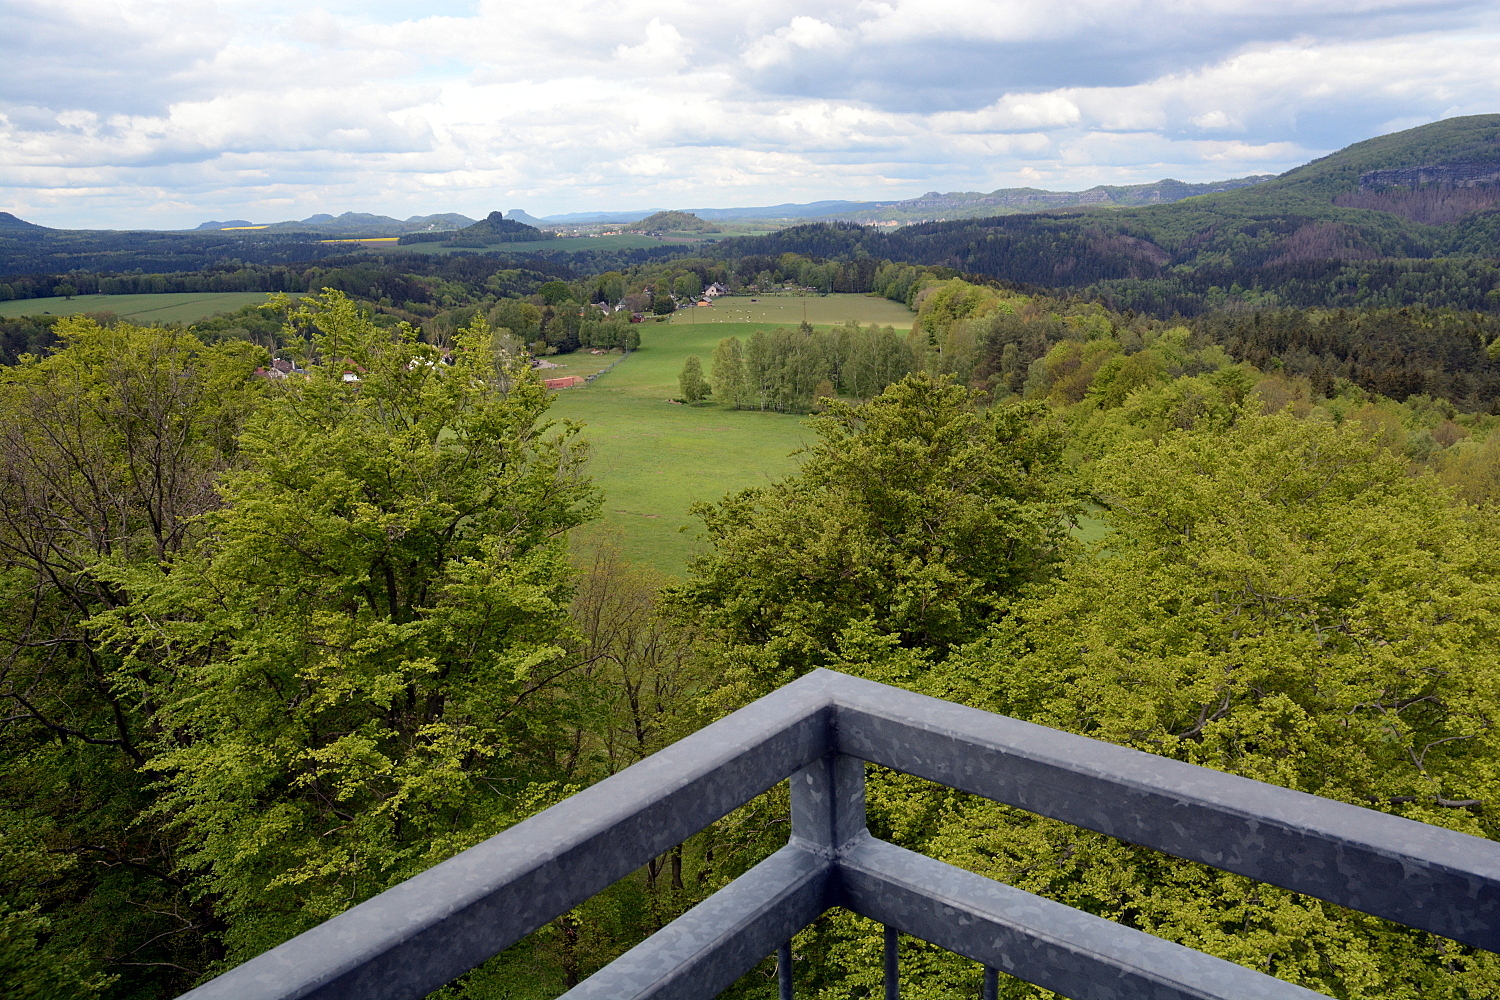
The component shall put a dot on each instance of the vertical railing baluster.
(991, 984)
(892, 965)
(784, 972)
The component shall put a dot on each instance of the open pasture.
(180, 307)
(655, 459)
(789, 310)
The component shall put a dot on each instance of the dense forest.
(272, 646)
(1396, 351)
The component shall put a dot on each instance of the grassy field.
(654, 459)
(182, 307)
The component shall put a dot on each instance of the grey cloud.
(101, 63)
(930, 74)
(536, 108)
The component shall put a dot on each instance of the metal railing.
(820, 731)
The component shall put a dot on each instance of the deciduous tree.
(366, 643)
(916, 514)
(691, 381)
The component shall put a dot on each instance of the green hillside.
(1020, 201)
(1471, 139)
(1426, 193)
(1235, 222)
(180, 307)
(676, 222)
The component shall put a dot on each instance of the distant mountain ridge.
(1423, 194)
(1410, 196)
(788, 210)
(352, 224)
(1011, 201)
(952, 205)
(956, 204)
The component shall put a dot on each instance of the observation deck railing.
(820, 731)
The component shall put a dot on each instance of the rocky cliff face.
(1458, 175)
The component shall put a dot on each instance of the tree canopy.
(915, 514)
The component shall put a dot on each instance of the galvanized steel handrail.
(820, 731)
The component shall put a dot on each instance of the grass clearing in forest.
(654, 459)
(162, 307)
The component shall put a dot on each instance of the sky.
(160, 115)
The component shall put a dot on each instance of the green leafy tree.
(783, 368)
(874, 358)
(32, 971)
(368, 641)
(609, 287)
(727, 373)
(1278, 599)
(521, 318)
(555, 292)
(916, 515)
(691, 381)
(109, 448)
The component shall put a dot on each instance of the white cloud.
(663, 49)
(805, 34)
(1212, 120)
(155, 112)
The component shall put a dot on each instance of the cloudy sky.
(132, 113)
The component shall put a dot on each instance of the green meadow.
(180, 307)
(654, 459)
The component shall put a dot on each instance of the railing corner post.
(828, 803)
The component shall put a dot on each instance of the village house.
(280, 368)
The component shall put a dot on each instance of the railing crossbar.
(819, 731)
(1413, 873)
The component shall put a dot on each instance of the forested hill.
(1426, 193)
(8, 221)
(1016, 201)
